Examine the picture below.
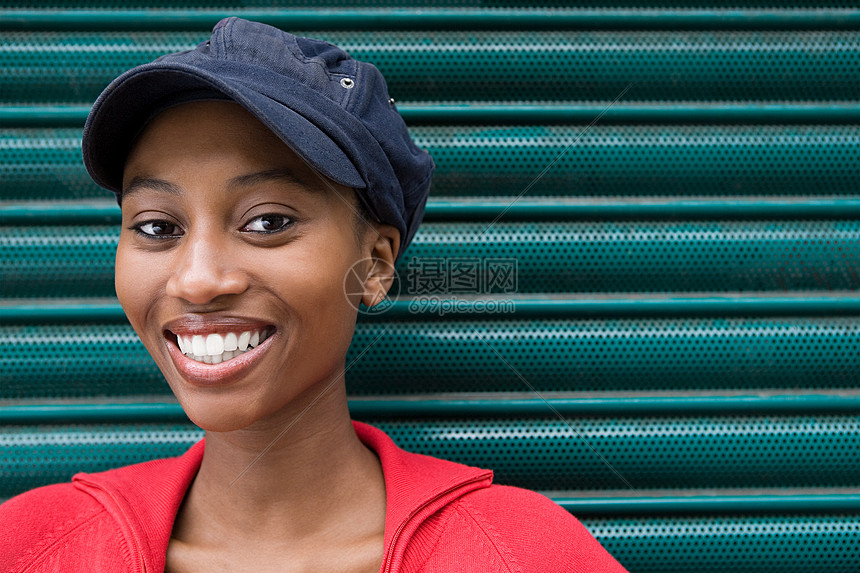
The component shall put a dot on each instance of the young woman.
(267, 186)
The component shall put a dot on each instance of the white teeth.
(198, 345)
(231, 342)
(216, 348)
(214, 345)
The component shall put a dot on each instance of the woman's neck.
(299, 482)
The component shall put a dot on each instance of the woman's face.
(234, 264)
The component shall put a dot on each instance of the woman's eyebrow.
(139, 183)
(282, 175)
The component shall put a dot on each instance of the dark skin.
(226, 230)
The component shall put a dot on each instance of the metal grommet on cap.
(347, 83)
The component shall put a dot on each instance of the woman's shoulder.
(52, 528)
(43, 524)
(513, 512)
(46, 506)
(523, 530)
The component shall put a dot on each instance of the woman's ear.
(383, 248)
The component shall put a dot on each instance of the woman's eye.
(158, 229)
(269, 223)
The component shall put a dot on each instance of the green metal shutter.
(648, 214)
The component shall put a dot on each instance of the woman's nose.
(204, 271)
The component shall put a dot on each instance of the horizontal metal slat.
(16, 311)
(761, 543)
(643, 160)
(95, 359)
(563, 161)
(65, 115)
(97, 212)
(641, 66)
(544, 453)
(630, 256)
(779, 402)
(630, 112)
(430, 15)
(507, 258)
(795, 501)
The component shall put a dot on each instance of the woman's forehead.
(209, 125)
(217, 137)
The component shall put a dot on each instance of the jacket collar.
(416, 486)
(144, 499)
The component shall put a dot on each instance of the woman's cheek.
(133, 282)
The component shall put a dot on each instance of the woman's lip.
(191, 325)
(208, 375)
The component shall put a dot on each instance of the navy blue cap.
(332, 110)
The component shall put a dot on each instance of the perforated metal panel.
(610, 256)
(606, 355)
(750, 543)
(668, 452)
(604, 160)
(42, 455)
(648, 256)
(446, 66)
(60, 261)
(43, 164)
(382, 4)
(421, 357)
(75, 361)
(540, 452)
(749, 112)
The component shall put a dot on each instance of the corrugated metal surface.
(639, 271)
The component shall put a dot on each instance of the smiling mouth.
(216, 348)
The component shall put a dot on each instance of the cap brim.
(131, 100)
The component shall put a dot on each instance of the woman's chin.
(218, 414)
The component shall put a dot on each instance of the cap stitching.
(222, 39)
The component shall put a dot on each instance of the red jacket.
(440, 517)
